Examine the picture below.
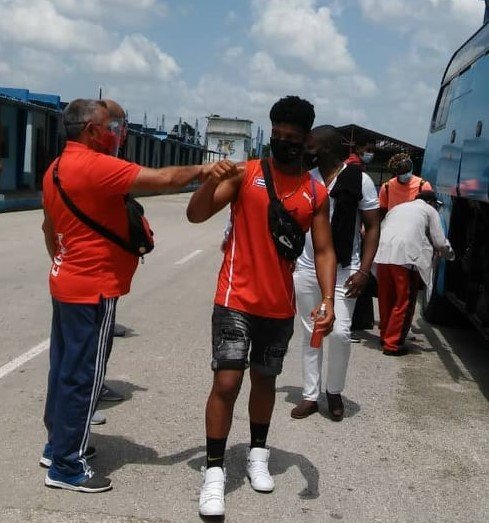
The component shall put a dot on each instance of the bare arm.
(325, 262)
(49, 235)
(383, 201)
(436, 233)
(357, 282)
(174, 177)
(214, 195)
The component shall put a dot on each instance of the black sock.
(215, 452)
(259, 433)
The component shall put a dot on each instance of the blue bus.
(456, 163)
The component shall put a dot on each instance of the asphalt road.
(413, 446)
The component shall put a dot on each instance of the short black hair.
(427, 196)
(293, 110)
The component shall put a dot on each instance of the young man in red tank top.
(254, 304)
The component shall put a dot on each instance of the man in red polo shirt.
(87, 276)
(254, 303)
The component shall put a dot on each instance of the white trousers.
(308, 296)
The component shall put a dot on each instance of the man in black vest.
(353, 203)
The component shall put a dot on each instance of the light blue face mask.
(404, 178)
(367, 157)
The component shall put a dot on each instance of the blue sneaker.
(46, 460)
(89, 483)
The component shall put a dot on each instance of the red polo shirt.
(253, 277)
(87, 265)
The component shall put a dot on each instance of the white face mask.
(367, 157)
(404, 178)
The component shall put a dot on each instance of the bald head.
(329, 144)
(115, 110)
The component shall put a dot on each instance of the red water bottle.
(317, 334)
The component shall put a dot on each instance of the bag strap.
(421, 183)
(265, 167)
(89, 222)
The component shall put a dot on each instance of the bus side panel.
(474, 171)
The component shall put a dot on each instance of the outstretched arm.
(174, 177)
(214, 194)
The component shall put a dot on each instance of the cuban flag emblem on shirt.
(260, 182)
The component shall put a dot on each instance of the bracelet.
(328, 298)
(364, 273)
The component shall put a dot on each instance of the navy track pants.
(81, 337)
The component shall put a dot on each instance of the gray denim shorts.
(233, 332)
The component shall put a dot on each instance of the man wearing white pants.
(353, 204)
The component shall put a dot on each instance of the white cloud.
(136, 59)
(293, 47)
(122, 11)
(36, 23)
(385, 10)
(265, 75)
(461, 13)
(233, 54)
(5, 68)
(300, 30)
(432, 30)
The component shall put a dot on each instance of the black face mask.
(285, 151)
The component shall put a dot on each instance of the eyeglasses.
(113, 125)
(72, 124)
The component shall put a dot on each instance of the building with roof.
(385, 147)
(229, 136)
(29, 137)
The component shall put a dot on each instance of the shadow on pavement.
(294, 396)
(116, 451)
(124, 388)
(470, 348)
(121, 331)
(280, 462)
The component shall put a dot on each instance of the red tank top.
(253, 277)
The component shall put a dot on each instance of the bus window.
(440, 115)
(477, 46)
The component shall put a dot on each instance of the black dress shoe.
(398, 352)
(304, 409)
(335, 405)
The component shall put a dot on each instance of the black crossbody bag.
(141, 240)
(287, 234)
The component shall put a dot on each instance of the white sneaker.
(257, 470)
(211, 501)
(98, 418)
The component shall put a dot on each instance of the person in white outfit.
(411, 233)
(353, 203)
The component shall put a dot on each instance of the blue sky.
(376, 63)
